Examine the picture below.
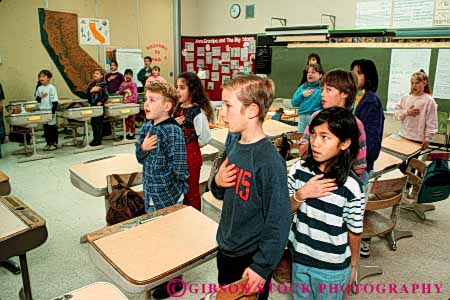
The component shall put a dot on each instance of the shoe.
(130, 136)
(365, 249)
(46, 148)
(94, 143)
(52, 148)
(161, 292)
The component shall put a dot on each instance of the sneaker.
(130, 136)
(46, 148)
(365, 249)
(52, 148)
(94, 143)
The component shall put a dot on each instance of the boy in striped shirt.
(329, 202)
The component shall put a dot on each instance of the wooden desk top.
(95, 291)
(385, 163)
(11, 224)
(401, 146)
(153, 246)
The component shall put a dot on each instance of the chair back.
(385, 193)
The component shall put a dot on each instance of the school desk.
(121, 111)
(21, 230)
(141, 253)
(273, 129)
(385, 163)
(400, 147)
(95, 291)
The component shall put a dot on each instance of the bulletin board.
(220, 58)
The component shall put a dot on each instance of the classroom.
(224, 149)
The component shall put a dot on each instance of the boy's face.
(156, 107)
(332, 97)
(324, 144)
(97, 75)
(128, 77)
(43, 79)
(233, 113)
(147, 62)
(155, 72)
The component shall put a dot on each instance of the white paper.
(189, 46)
(252, 47)
(210, 85)
(412, 13)
(189, 56)
(200, 63)
(190, 67)
(373, 13)
(208, 58)
(215, 64)
(200, 51)
(225, 69)
(442, 13)
(441, 87)
(98, 36)
(214, 76)
(404, 62)
(216, 51)
(225, 56)
(225, 78)
(244, 54)
(206, 74)
(234, 64)
(130, 59)
(208, 47)
(236, 52)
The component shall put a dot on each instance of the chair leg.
(419, 209)
(367, 271)
(396, 235)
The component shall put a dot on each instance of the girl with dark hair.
(193, 113)
(308, 96)
(313, 58)
(325, 236)
(114, 78)
(128, 89)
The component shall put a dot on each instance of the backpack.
(124, 203)
(436, 182)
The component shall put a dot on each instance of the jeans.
(303, 121)
(319, 284)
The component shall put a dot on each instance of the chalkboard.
(288, 65)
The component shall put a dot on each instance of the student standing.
(146, 71)
(114, 78)
(313, 58)
(252, 183)
(156, 76)
(128, 89)
(97, 96)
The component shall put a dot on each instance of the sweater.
(114, 84)
(308, 104)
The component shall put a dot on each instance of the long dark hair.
(368, 68)
(342, 124)
(198, 93)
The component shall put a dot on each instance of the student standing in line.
(146, 71)
(156, 76)
(97, 96)
(193, 113)
(329, 200)
(161, 150)
(114, 78)
(47, 96)
(418, 111)
(128, 89)
(313, 58)
(308, 96)
(252, 183)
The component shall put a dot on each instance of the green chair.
(443, 127)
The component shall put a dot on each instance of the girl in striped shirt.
(329, 203)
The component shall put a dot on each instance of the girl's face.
(361, 77)
(155, 72)
(183, 93)
(313, 75)
(325, 145)
(97, 75)
(312, 60)
(418, 86)
(128, 77)
(331, 96)
(113, 67)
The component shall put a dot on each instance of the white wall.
(211, 17)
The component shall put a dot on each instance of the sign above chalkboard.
(263, 61)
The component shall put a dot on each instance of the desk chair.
(443, 130)
(383, 194)
(295, 137)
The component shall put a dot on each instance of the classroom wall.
(133, 24)
(206, 17)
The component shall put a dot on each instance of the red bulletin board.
(221, 57)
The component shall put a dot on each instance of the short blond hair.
(253, 89)
(166, 90)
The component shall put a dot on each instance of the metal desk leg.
(124, 140)
(35, 155)
(25, 292)
(86, 141)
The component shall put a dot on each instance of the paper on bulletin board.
(190, 67)
(412, 13)
(441, 13)
(200, 51)
(244, 54)
(200, 63)
(225, 69)
(214, 76)
(441, 88)
(215, 51)
(189, 56)
(93, 31)
(252, 47)
(206, 72)
(404, 62)
(189, 46)
(225, 78)
(210, 85)
(234, 64)
(225, 56)
(208, 58)
(215, 64)
(235, 52)
(373, 14)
